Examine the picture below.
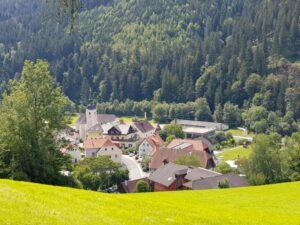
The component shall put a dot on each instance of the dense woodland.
(230, 55)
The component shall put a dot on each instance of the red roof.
(97, 143)
(197, 145)
(171, 155)
(177, 148)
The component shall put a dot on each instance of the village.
(139, 148)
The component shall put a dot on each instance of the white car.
(131, 155)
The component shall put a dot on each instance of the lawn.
(131, 118)
(234, 153)
(241, 133)
(73, 119)
(26, 203)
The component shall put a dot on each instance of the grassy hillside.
(26, 203)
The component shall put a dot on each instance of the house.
(149, 145)
(233, 180)
(194, 129)
(182, 147)
(75, 154)
(123, 135)
(102, 147)
(169, 177)
(90, 118)
(144, 128)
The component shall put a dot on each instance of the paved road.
(243, 137)
(135, 170)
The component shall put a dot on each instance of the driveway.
(134, 168)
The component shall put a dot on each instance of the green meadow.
(234, 153)
(27, 203)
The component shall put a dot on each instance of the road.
(243, 137)
(135, 170)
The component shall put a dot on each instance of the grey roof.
(165, 175)
(101, 118)
(200, 173)
(207, 142)
(123, 128)
(213, 182)
(203, 124)
(96, 128)
(82, 119)
(91, 107)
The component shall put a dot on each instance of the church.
(90, 118)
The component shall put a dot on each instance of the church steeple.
(91, 113)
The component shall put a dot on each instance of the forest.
(236, 55)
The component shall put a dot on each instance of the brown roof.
(165, 174)
(97, 143)
(171, 155)
(144, 126)
(155, 141)
(129, 186)
(233, 179)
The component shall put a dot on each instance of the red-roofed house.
(143, 128)
(149, 145)
(181, 147)
(102, 147)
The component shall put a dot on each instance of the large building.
(90, 119)
(182, 147)
(195, 129)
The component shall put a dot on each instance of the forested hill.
(169, 50)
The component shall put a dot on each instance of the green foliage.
(174, 130)
(188, 160)
(223, 184)
(99, 173)
(142, 186)
(29, 117)
(264, 163)
(224, 168)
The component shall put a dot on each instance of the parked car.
(131, 155)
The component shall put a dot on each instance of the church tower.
(91, 116)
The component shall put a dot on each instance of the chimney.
(145, 115)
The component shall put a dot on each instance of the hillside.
(140, 50)
(26, 203)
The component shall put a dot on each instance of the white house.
(76, 154)
(149, 145)
(102, 147)
(144, 128)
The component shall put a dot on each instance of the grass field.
(131, 118)
(241, 133)
(73, 119)
(26, 203)
(234, 153)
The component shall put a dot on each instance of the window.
(116, 156)
(105, 149)
(110, 156)
(93, 154)
(130, 145)
(112, 149)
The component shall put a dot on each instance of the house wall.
(94, 135)
(91, 152)
(113, 152)
(159, 187)
(75, 155)
(144, 149)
